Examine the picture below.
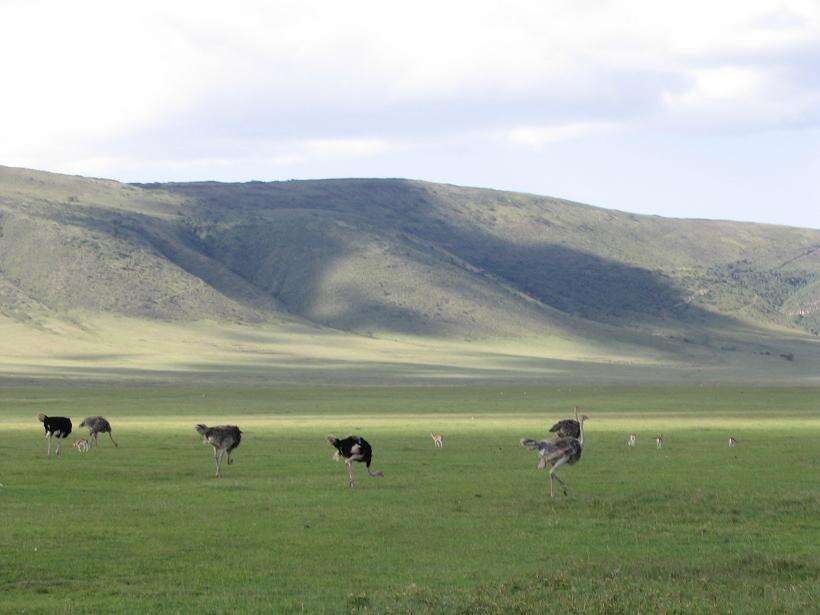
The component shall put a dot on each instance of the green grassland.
(695, 527)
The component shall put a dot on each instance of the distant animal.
(97, 425)
(224, 439)
(659, 440)
(632, 440)
(557, 452)
(568, 428)
(732, 441)
(56, 427)
(82, 445)
(438, 440)
(353, 448)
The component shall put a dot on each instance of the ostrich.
(558, 452)
(732, 441)
(97, 425)
(659, 441)
(438, 440)
(224, 439)
(568, 428)
(353, 448)
(632, 440)
(56, 427)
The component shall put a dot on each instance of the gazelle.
(438, 440)
(732, 441)
(632, 440)
(659, 440)
(82, 445)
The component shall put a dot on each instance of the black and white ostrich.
(353, 448)
(224, 439)
(97, 425)
(558, 452)
(56, 427)
(568, 428)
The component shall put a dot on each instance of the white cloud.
(345, 147)
(536, 136)
(211, 85)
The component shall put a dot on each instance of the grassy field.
(696, 527)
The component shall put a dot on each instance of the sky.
(686, 109)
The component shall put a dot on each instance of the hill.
(419, 269)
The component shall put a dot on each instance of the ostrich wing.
(549, 450)
(225, 436)
(567, 427)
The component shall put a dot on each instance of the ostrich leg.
(112, 439)
(48, 437)
(563, 484)
(554, 476)
(352, 482)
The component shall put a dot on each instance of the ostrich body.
(632, 440)
(97, 425)
(353, 448)
(558, 452)
(224, 439)
(56, 427)
(438, 439)
(568, 428)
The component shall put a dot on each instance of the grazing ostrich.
(56, 427)
(659, 440)
(97, 425)
(224, 439)
(353, 448)
(632, 440)
(558, 452)
(438, 440)
(732, 441)
(568, 428)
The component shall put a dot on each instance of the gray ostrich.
(558, 452)
(97, 425)
(224, 439)
(568, 428)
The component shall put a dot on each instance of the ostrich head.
(203, 431)
(334, 442)
(583, 418)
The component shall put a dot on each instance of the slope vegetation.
(397, 260)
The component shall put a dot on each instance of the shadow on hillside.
(575, 282)
(170, 241)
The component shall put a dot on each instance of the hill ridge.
(398, 258)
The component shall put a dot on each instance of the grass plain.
(695, 527)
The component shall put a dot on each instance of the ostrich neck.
(581, 438)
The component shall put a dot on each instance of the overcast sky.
(691, 109)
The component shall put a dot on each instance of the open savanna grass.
(695, 527)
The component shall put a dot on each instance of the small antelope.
(659, 441)
(632, 440)
(732, 441)
(438, 440)
(82, 445)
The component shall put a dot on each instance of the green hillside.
(171, 276)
